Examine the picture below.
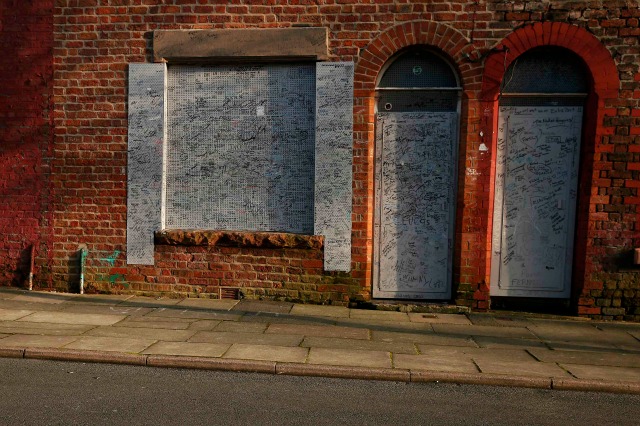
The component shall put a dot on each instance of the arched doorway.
(537, 162)
(417, 121)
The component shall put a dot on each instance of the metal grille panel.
(417, 101)
(240, 147)
(418, 68)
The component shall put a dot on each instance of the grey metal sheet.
(535, 199)
(240, 147)
(333, 162)
(145, 143)
(415, 187)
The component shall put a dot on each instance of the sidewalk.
(284, 338)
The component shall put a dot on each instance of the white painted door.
(535, 201)
(415, 187)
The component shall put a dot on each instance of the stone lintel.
(241, 44)
(194, 237)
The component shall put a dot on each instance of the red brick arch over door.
(372, 59)
(605, 86)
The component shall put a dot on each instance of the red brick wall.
(95, 40)
(26, 86)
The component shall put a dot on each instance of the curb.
(342, 372)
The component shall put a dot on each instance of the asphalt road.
(57, 393)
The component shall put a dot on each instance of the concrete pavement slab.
(436, 339)
(143, 333)
(249, 338)
(400, 327)
(588, 358)
(276, 318)
(145, 301)
(476, 353)
(482, 330)
(439, 318)
(320, 311)
(10, 292)
(100, 299)
(14, 327)
(263, 306)
(13, 314)
(29, 306)
(397, 337)
(319, 331)
(43, 297)
(34, 341)
(267, 353)
(379, 315)
(4, 335)
(436, 363)
(508, 343)
(583, 337)
(187, 349)
(88, 308)
(598, 372)
(216, 304)
(204, 325)
(144, 322)
(111, 344)
(70, 318)
(195, 313)
(349, 357)
(520, 368)
(363, 345)
(241, 327)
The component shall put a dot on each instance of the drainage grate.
(229, 293)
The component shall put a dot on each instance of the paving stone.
(70, 318)
(111, 344)
(319, 331)
(365, 345)
(482, 319)
(508, 343)
(400, 327)
(14, 327)
(249, 338)
(11, 314)
(29, 306)
(43, 297)
(267, 353)
(439, 318)
(35, 341)
(395, 336)
(348, 357)
(597, 372)
(143, 333)
(263, 306)
(177, 312)
(10, 292)
(154, 323)
(104, 309)
(438, 340)
(205, 325)
(320, 311)
(241, 327)
(100, 299)
(588, 358)
(216, 304)
(476, 353)
(519, 368)
(482, 330)
(512, 321)
(144, 301)
(435, 363)
(2, 336)
(379, 315)
(583, 337)
(187, 349)
(275, 318)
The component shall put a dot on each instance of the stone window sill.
(281, 240)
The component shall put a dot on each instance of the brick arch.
(584, 44)
(443, 37)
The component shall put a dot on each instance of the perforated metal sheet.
(415, 187)
(416, 101)
(418, 68)
(535, 200)
(145, 137)
(334, 156)
(240, 147)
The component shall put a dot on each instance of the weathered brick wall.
(95, 40)
(26, 85)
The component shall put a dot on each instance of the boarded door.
(415, 186)
(535, 199)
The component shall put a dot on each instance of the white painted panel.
(415, 187)
(535, 199)
(333, 162)
(145, 143)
